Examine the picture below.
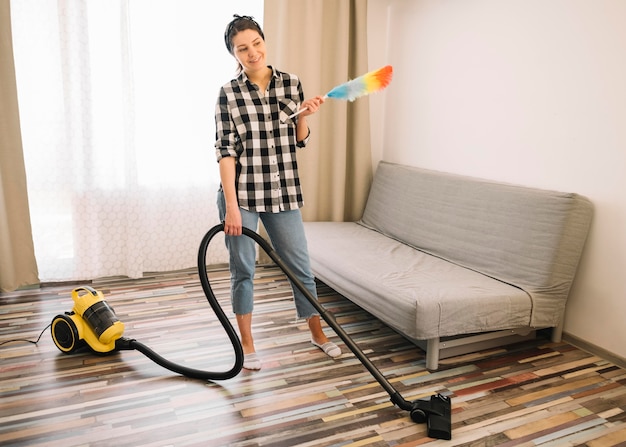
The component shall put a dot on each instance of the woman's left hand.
(311, 105)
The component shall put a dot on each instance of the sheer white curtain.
(116, 102)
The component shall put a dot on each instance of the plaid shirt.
(256, 130)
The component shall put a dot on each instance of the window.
(116, 105)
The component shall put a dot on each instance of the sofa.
(454, 263)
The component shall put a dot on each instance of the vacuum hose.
(396, 398)
(126, 343)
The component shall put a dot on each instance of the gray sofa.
(454, 263)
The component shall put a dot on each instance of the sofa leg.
(557, 332)
(432, 353)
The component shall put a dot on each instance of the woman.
(256, 143)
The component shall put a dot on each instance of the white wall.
(531, 92)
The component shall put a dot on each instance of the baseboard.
(595, 350)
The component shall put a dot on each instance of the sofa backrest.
(527, 237)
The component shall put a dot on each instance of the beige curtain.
(17, 256)
(324, 42)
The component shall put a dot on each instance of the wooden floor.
(535, 393)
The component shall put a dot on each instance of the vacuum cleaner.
(93, 324)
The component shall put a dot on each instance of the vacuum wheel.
(418, 416)
(65, 334)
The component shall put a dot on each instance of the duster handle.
(293, 115)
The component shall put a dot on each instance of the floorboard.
(535, 393)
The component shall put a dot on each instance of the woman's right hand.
(232, 219)
(232, 222)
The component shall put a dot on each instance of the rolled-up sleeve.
(304, 142)
(225, 136)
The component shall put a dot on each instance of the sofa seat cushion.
(418, 294)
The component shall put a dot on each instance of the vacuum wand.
(436, 411)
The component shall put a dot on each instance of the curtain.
(324, 42)
(17, 256)
(116, 103)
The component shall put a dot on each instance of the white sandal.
(251, 361)
(329, 348)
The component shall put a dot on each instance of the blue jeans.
(286, 234)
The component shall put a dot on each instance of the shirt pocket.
(287, 108)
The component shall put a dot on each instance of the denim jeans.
(286, 234)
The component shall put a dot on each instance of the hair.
(240, 23)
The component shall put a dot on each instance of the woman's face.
(249, 50)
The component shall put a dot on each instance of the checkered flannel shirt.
(256, 130)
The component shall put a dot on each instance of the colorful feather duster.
(363, 85)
